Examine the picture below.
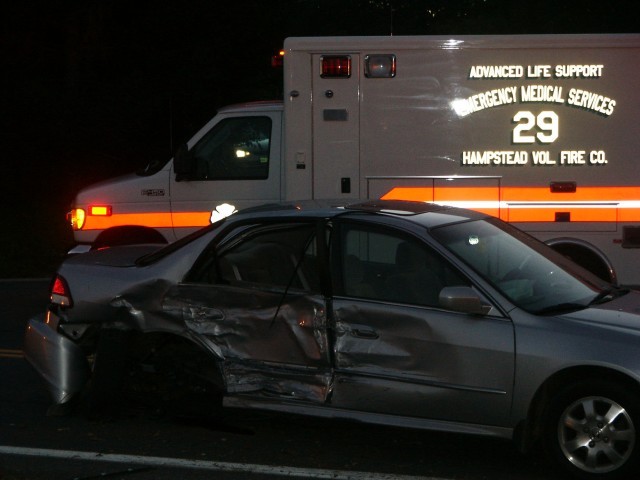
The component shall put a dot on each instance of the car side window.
(235, 149)
(275, 257)
(389, 266)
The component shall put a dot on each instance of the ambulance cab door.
(234, 164)
(336, 126)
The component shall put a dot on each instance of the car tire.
(157, 374)
(591, 429)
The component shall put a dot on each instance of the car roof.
(423, 213)
(428, 215)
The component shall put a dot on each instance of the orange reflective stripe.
(515, 194)
(191, 219)
(533, 204)
(537, 214)
(627, 215)
(443, 194)
(154, 219)
(582, 194)
(417, 194)
(150, 219)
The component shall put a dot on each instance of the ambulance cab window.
(235, 149)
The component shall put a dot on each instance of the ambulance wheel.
(128, 236)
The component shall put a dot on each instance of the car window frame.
(577, 272)
(242, 232)
(337, 257)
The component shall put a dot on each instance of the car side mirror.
(463, 299)
(183, 163)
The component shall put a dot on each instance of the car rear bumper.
(60, 362)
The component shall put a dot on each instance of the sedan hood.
(621, 312)
(124, 256)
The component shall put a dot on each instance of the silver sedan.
(397, 313)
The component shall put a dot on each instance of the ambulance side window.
(235, 149)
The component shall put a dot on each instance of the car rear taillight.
(60, 293)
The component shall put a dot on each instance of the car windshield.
(532, 275)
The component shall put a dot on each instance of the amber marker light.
(100, 210)
(76, 218)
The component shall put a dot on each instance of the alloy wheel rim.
(596, 434)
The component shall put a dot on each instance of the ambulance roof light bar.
(380, 65)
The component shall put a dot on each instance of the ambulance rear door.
(336, 125)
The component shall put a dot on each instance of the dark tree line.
(114, 77)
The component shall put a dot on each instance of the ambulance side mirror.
(183, 163)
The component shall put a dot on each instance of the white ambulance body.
(541, 131)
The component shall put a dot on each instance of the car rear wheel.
(592, 430)
(173, 376)
(158, 373)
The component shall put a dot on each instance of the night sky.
(92, 89)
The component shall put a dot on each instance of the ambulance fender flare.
(586, 255)
(128, 235)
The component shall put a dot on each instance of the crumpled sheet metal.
(140, 308)
(265, 344)
(245, 325)
(314, 386)
(351, 350)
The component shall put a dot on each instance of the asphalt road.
(240, 445)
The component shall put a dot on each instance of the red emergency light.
(277, 60)
(335, 66)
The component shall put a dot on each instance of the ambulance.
(539, 130)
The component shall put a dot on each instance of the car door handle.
(204, 314)
(368, 334)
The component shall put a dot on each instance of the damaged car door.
(397, 350)
(255, 301)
